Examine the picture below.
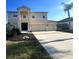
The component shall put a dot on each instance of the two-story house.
(26, 20)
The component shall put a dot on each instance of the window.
(14, 15)
(24, 16)
(33, 16)
(43, 16)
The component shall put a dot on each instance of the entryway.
(24, 26)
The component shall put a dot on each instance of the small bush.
(14, 31)
(9, 34)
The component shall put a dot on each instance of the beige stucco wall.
(43, 25)
(38, 15)
(37, 27)
(37, 24)
(51, 27)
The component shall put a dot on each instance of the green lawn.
(30, 49)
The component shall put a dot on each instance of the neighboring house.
(65, 24)
(26, 20)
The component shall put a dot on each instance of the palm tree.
(67, 8)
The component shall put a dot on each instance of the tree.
(67, 8)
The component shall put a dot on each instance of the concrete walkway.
(58, 44)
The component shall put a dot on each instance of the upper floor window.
(24, 16)
(33, 16)
(43, 16)
(15, 15)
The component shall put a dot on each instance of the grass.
(30, 49)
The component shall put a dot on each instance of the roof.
(12, 12)
(39, 12)
(23, 7)
(66, 20)
(52, 21)
(17, 12)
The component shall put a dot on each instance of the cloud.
(69, 1)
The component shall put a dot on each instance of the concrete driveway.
(58, 44)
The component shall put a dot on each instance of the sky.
(54, 7)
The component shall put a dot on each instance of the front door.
(24, 26)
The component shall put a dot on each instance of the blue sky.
(53, 7)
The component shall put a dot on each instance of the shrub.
(11, 33)
(16, 31)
